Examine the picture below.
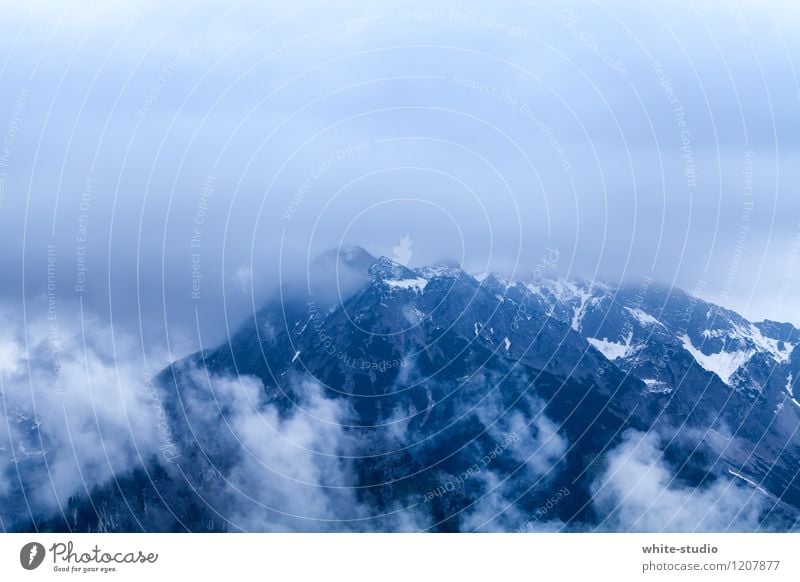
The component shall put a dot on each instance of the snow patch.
(748, 334)
(580, 310)
(507, 343)
(504, 282)
(613, 350)
(723, 364)
(779, 350)
(790, 390)
(709, 333)
(657, 386)
(434, 271)
(643, 318)
(417, 284)
(296, 355)
(749, 482)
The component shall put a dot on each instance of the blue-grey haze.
(639, 139)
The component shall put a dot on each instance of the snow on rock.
(748, 334)
(790, 390)
(779, 350)
(644, 318)
(580, 310)
(614, 350)
(439, 271)
(723, 364)
(749, 482)
(504, 282)
(657, 386)
(577, 295)
(567, 292)
(417, 284)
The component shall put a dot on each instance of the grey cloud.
(471, 168)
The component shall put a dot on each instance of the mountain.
(381, 397)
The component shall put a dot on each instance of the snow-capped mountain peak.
(387, 269)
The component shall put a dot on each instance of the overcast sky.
(148, 142)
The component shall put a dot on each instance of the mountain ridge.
(417, 374)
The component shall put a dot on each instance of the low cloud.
(536, 444)
(75, 411)
(79, 409)
(291, 472)
(638, 492)
(494, 511)
(283, 470)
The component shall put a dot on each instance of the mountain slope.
(427, 399)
